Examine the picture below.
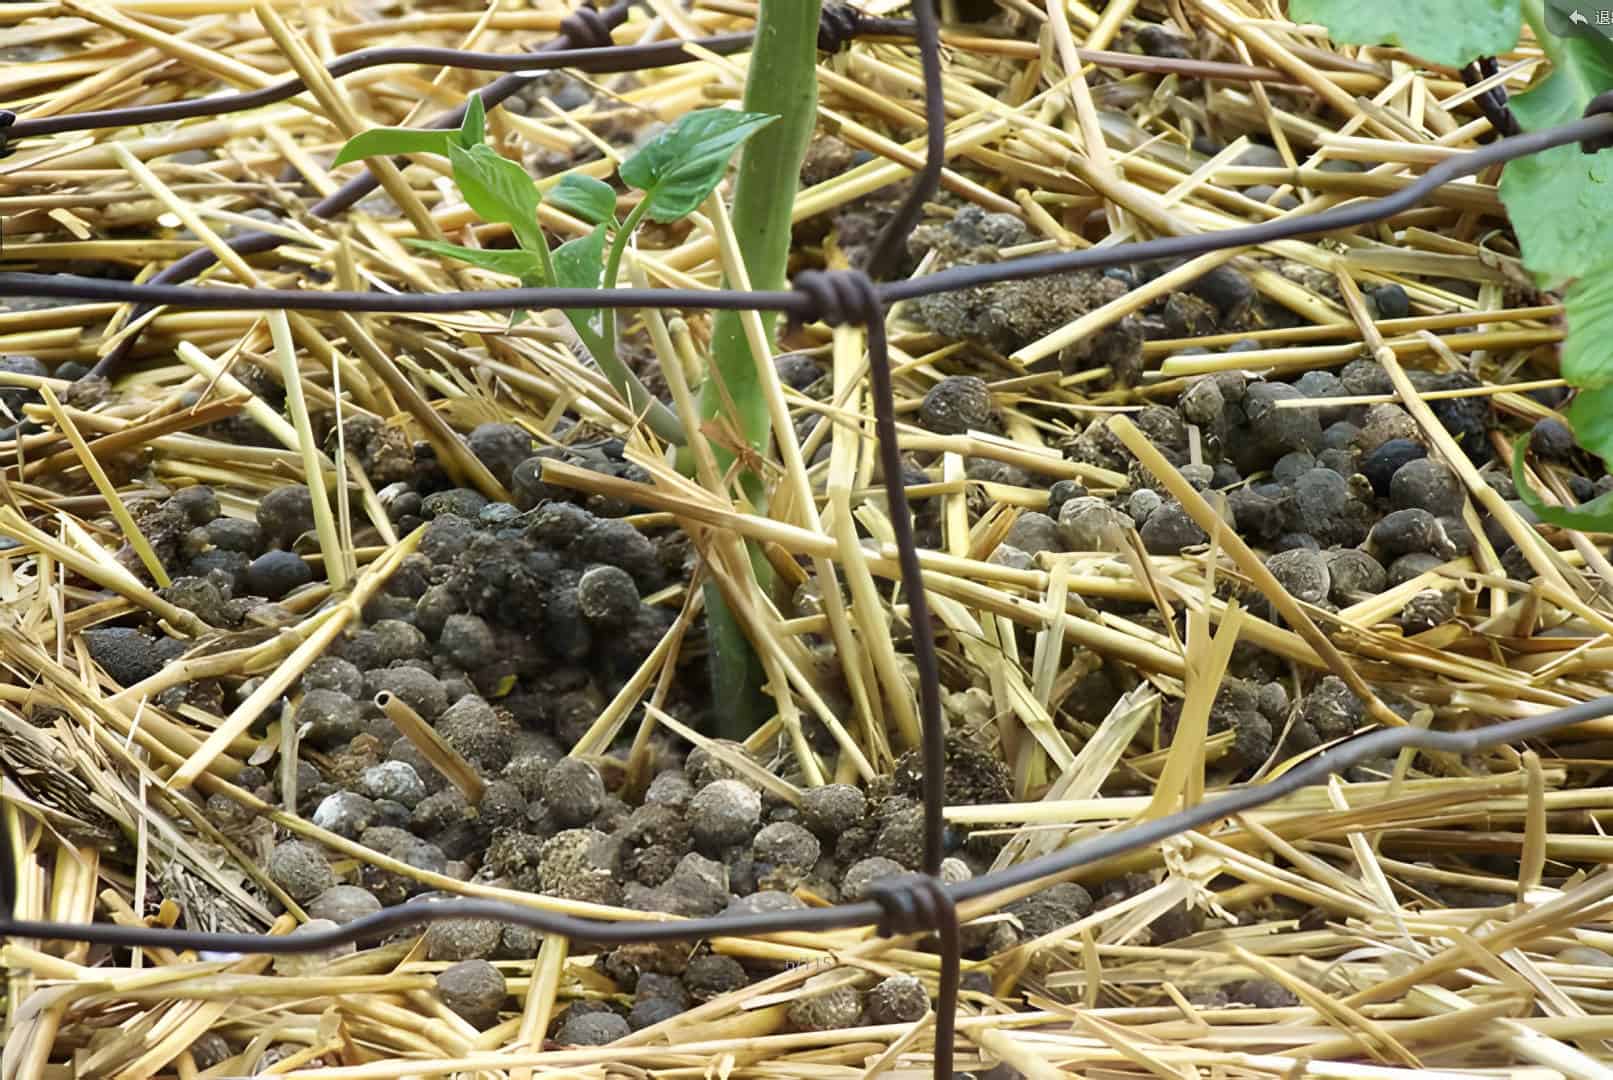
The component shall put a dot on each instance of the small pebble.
(1304, 573)
(573, 791)
(1385, 423)
(956, 405)
(712, 975)
(1426, 610)
(1407, 532)
(332, 718)
(897, 999)
(1281, 430)
(1429, 484)
(1143, 502)
(863, 873)
(1170, 529)
(832, 809)
(342, 904)
(724, 813)
(607, 595)
(1413, 566)
(275, 573)
(1090, 524)
(467, 641)
(127, 654)
(838, 1007)
(300, 869)
(1033, 533)
(475, 990)
(1060, 493)
(592, 1029)
(285, 514)
(394, 780)
(1391, 302)
(1355, 575)
(463, 939)
(1552, 440)
(345, 813)
(785, 843)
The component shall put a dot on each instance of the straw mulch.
(1395, 974)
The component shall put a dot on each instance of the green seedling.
(675, 171)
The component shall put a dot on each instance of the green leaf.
(582, 196)
(516, 262)
(473, 129)
(580, 264)
(1591, 415)
(678, 168)
(1586, 357)
(389, 142)
(1561, 201)
(1594, 516)
(498, 190)
(1450, 32)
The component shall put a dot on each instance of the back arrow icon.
(1578, 17)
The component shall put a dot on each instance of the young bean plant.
(674, 172)
(1560, 201)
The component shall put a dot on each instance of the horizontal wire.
(840, 916)
(215, 298)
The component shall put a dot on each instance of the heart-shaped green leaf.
(1453, 32)
(582, 196)
(498, 190)
(678, 168)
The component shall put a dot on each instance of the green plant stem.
(783, 81)
(662, 420)
(613, 264)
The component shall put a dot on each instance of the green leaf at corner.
(513, 261)
(580, 264)
(679, 167)
(1587, 358)
(1591, 415)
(582, 196)
(1594, 516)
(1450, 32)
(497, 189)
(473, 129)
(1561, 200)
(390, 142)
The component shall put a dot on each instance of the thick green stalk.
(783, 81)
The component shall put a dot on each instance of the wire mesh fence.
(912, 904)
